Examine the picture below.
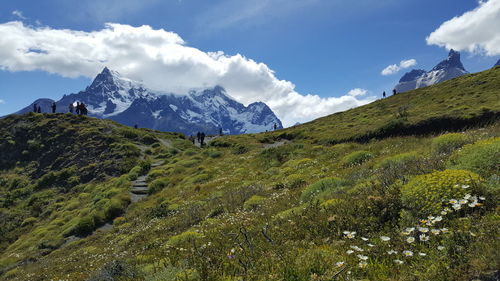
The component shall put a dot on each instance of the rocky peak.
(453, 61)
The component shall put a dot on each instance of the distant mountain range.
(112, 96)
(447, 69)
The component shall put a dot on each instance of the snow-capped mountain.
(129, 102)
(448, 69)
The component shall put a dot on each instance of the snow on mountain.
(129, 102)
(447, 69)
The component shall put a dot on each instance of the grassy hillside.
(380, 192)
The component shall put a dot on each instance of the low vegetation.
(345, 197)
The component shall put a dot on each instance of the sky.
(304, 58)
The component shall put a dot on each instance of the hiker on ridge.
(71, 107)
(198, 137)
(191, 138)
(383, 94)
(53, 106)
(84, 109)
(78, 108)
(39, 110)
(202, 138)
(35, 108)
(275, 126)
(394, 92)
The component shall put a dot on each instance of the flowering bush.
(446, 143)
(425, 194)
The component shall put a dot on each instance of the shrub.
(482, 157)
(253, 202)
(134, 173)
(114, 208)
(326, 184)
(158, 185)
(202, 178)
(215, 154)
(295, 181)
(356, 158)
(445, 144)
(185, 238)
(398, 166)
(240, 149)
(424, 194)
(156, 174)
(84, 226)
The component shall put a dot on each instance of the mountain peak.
(497, 64)
(453, 61)
(414, 74)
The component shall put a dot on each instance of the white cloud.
(476, 31)
(2, 101)
(18, 14)
(163, 61)
(357, 92)
(394, 68)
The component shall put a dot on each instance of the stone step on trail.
(139, 189)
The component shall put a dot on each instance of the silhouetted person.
(135, 126)
(39, 110)
(220, 131)
(198, 137)
(191, 138)
(35, 108)
(383, 94)
(275, 126)
(53, 106)
(78, 108)
(71, 108)
(394, 92)
(83, 110)
(202, 138)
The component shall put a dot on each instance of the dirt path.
(276, 144)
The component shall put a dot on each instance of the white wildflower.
(423, 237)
(398, 261)
(422, 254)
(423, 229)
(465, 186)
(457, 206)
(435, 231)
(410, 239)
(453, 201)
(340, 264)
(350, 234)
(440, 248)
(362, 264)
(349, 252)
(467, 196)
(408, 253)
(392, 252)
(385, 238)
(364, 238)
(361, 257)
(444, 230)
(463, 201)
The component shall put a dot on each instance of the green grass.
(238, 210)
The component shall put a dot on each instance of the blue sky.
(324, 47)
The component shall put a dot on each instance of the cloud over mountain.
(394, 68)
(476, 31)
(163, 61)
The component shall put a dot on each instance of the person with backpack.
(71, 108)
(35, 108)
(202, 138)
(383, 94)
(53, 106)
(78, 108)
